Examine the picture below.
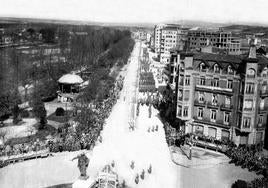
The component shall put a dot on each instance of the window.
(251, 73)
(264, 87)
(214, 99)
(215, 82)
(201, 97)
(227, 101)
(179, 110)
(180, 95)
(181, 80)
(226, 118)
(187, 80)
(264, 72)
(246, 122)
(199, 129)
(248, 104)
(200, 113)
(229, 84)
(186, 95)
(185, 111)
(260, 121)
(239, 120)
(182, 66)
(202, 67)
(216, 68)
(202, 81)
(250, 88)
(225, 135)
(262, 104)
(213, 115)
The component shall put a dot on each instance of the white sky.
(139, 10)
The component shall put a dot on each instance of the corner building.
(222, 96)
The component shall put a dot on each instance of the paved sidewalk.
(201, 158)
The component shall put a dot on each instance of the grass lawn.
(60, 119)
(40, 134)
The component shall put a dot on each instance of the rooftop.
(218, 57)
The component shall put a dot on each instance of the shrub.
(59, 112)
(240, 184)
(3, 163)
(25, 114)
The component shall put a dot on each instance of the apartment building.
(172, 37)
(220, 39)
(222, 96)
(157, 37)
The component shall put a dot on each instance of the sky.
(139, 11)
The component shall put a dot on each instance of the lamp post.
(191, 144)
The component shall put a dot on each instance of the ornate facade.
(222, 96)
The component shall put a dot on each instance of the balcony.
(216, 90)
(264, 93)
(213, 105)
(226, 107)
(207, 121)
(200, 103)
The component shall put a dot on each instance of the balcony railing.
(213, 105)
(250, 76)
(200, 103)
(217, 123)
(264, 93)
(248, 109)
(226, 107)
(212, 89)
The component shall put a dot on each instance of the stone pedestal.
(80, 183)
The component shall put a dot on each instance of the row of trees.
(40, 71)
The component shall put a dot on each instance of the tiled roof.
(218, 57)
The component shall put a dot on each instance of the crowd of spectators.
(20, 149)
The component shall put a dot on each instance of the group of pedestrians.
(140, 176)
(152, 129)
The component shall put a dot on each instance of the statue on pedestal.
(83, 162)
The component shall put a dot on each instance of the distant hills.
(239, 27)
(41, 20)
